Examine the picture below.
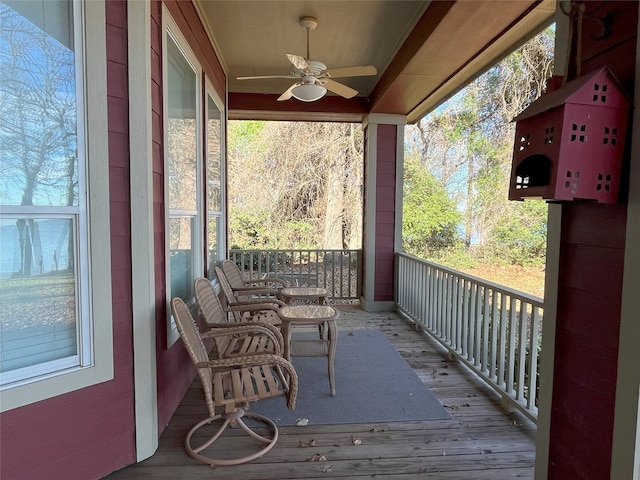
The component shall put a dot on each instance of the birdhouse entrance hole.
(533, 171)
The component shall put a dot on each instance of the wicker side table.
(320, 315)
(308, 294)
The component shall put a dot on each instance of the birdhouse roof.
(578, 91)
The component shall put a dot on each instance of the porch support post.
(142, 262)
(384, 153)
(552, 270)
(625, 454)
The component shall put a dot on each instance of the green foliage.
(242, 135)
(456, 256)
(521, 237)
(256, 230)
(429, 218)
(249, 228)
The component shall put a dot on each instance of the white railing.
(494, 330)
(336, 270)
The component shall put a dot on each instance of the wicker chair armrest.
(252, 308)
(261, 359)
(257, 302)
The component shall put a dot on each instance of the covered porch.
(482, 440)
(130, 403)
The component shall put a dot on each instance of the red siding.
(174, 368)
(90, 433)
(590, 289)
(385, 212)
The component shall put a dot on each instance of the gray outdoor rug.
(373, 384)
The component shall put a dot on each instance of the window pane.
(37, 291)
(39, 320)
(181, 130)
(182, 166)
(214, 202)
(181, 256)
(38, 132)
(213, 242)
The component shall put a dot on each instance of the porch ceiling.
(424, 50)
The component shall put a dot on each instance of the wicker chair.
(244, 307)
(270, 286)
(264, 338)
(230, 385)
(265, 286)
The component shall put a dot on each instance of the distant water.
(49, 245)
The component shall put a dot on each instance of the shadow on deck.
(480, 441)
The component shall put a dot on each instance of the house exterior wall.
(90, 432)
(174, 368)
(590, 284)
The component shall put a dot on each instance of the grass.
(29, 301)
(526, 279)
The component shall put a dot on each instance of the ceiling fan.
(314, 79)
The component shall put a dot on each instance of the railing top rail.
(532, 299)
(259, 250)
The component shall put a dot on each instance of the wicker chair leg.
(269, 443)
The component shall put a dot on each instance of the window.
(49, 314)
(183, 160)
(215, 227)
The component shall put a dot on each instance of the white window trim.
(91, 17)
(222, 232)
(170, 27)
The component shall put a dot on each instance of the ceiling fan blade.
(340, 89)
(260, 77)
(287, 94)
(298, 62)
(356, 71)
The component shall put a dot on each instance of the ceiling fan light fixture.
(308, 92)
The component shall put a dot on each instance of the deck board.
(481, 441)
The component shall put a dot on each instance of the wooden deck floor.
(481, 441)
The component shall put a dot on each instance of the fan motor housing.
(309, 22)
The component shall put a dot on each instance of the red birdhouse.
(570, 142)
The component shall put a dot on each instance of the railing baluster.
(459, 314)
(477, 355)
(532, 400)
(449, 308)
(494, 335)
(465, 318)
(511, 360)
(485, 329)
(421, 282)
(408, 298)
(438, 319)
(502, 357)
(522, 349)
(472, 322)
(422, 293)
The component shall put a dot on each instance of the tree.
(466, 144)
(294, 184)
(429, 217)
